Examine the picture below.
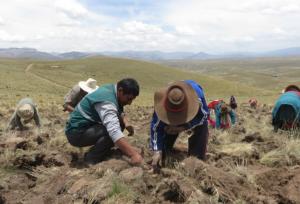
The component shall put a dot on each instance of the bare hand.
(136, 159)
(156, 161)
(130, 130)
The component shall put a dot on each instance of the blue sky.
(124, 9)
(211, 26)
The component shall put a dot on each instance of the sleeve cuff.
(117, 136)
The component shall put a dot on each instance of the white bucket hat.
(88, 85)
(25, 111)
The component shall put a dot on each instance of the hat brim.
(21, 114)
(177, 118)
(83, 86)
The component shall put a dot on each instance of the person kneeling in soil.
(98, 120)
(74, 96)
(223, 114)
(178, 107)
(26, 111)
(286, 111)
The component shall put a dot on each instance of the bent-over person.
(25, 112)
(286, 111)
(178, 107)
(224, 115)
(75, 95)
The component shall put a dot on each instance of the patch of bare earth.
(41, 167)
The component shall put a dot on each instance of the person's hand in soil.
(130, 130)
(156, 161)
(136, 159)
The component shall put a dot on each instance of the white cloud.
(279, 31)
(139, 27)
(65, 20)
(1, 21)
(7, 37)
(194, 25)
(71, 8)
(228, 24)
(46, 23)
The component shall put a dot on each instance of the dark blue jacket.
(157, 126)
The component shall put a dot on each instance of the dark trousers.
(95, 135)
(197, 143)
(285, 118)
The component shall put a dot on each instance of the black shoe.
(89, 160)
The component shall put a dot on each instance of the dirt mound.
(283, 184)
(17, 186)
(214, 181)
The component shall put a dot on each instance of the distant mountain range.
(26, 53)
(31, 53)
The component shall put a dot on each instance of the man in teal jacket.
(286, 111)
(98, 119)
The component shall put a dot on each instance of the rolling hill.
(265, 73)
(50, 80)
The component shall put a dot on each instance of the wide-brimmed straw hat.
(25, 111)
(291, 87)
(177, 103)
(89, 85)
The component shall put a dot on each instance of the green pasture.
(48, 81)
(264, 73)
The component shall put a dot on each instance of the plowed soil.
(41, 167)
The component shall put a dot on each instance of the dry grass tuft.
(237, 149)
(43, 174)
(120, 193)
(7, 157)
(288, 153)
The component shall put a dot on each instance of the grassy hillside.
(266, 73)
(48, 81)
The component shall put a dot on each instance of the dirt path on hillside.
(30, 66)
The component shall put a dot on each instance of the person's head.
(88, 86)
(127, 90)
(291, 87)
(253, 103)
(232, 102)
(25, 111)
(176, 104)
(225, 109)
